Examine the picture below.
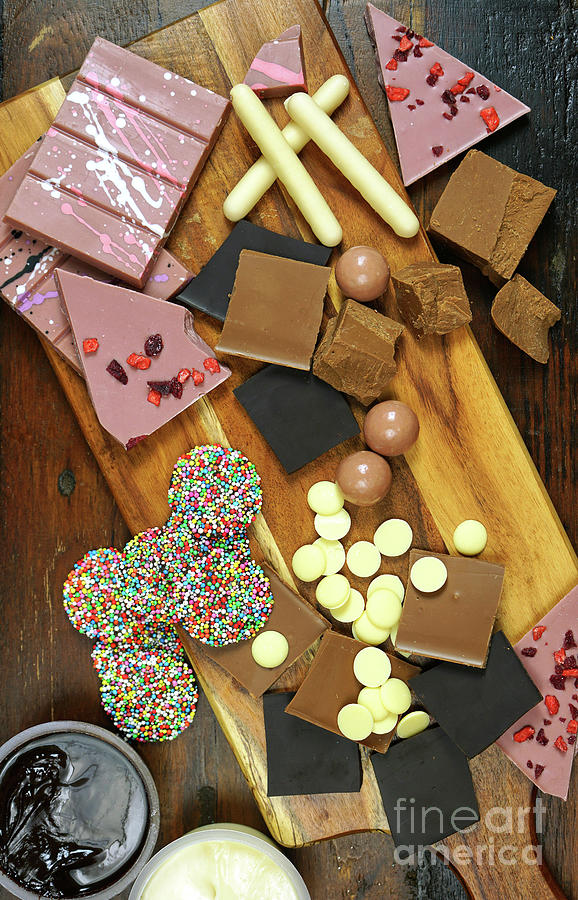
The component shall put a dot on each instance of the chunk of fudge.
(356, 353)
(489, 213)
(431, 298)
(525, 316)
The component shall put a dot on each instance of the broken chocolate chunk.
(431, 297)
(489, 213)
(356, 353)
(525, 316)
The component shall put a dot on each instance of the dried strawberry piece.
(198, 377)
(547, 721)
(431, 80)
(573, 711)
(411, 106)
(453, 110)
(538, 631)
(552, 704)
(471, 91)
(561, 744)
(529, 651)
(538, 770)
(154, 397)
(423, 42)
(138, 362)
(558, 682)
(135, 440)
(176, 388)
(524, 734)
(569, 642)
(405, 44)
(457, 88)
(541, 738)
(562, 719)
(559, 655)
(211, 364)
(530, 764)
(420, 102)
(401, 28)
(396, 37)
(417, 52)
(391, 65)
(183, 375)
(90, 345)
(464, 99)
(437, 151)
(448, 98)
(163, 387)
(401, 55)
(559, 669)
(409, 33)
(395, 94)
(571, 739)
(569, 662)
(448, 116)
(570, 673)
(482, 91)
(572, 727)
(153, 345)
(465, 79)
(115, 369)
(436, 69)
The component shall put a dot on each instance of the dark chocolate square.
(300, 416)
(426, 787)
(211, 289)
(305, 759)
(476, 706)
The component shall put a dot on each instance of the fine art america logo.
(494, 850)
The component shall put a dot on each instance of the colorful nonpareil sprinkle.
(197, 571)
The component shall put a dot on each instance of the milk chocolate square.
(525, 317)
(211, 289)
(476, 706)
(427, 789)
(305, 759)
(489, 213)
(431, 298)
(275, 310)
(300, 417)
(454, 623)
(330, 684)
(292, 616)
(356, 353)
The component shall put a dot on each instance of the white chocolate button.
(334, 555)
(389, 583)
(334, 527)
(371, 698)
(309, 562)
(383, 609)
(393, 537)
(355, 722)
(325, 498)
(413, 723)
(351, 609)
(470, 537)
(395, 696)
(371, 667)
(363, 559)
(385, 725)
(428, 574)
(270, 649)
(332, 591)
(364, 630)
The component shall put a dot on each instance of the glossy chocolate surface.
(364, 478)
(391, 428)
(362, 273)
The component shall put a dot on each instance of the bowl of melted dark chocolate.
(79, 813)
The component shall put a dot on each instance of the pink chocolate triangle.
(121, 320)
(557, 628)
(278, 69)
(429, 131)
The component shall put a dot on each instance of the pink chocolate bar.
(118, 163)
(278, 68)
(438, 105)
(136, 384)
(543, 742)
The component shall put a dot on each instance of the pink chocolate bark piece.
(122, 320)
(9, 184)
(550, 742)
(118, 162)
(438, 106)
(278, 69)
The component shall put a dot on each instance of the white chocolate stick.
(353, 164)
(259, 178)
(286, 164)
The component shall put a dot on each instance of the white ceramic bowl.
(239, 834)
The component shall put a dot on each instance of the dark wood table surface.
(55, 504)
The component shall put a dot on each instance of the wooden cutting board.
(470, 461)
